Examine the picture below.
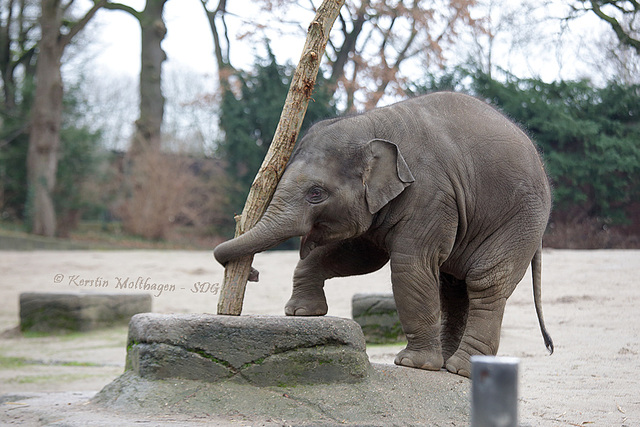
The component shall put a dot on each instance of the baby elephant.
(443, 186)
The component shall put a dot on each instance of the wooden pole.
(237, 272)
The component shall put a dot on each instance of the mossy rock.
(263, 350)
(49, 312)
(378, 317)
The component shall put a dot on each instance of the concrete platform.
(292, 370)
(251, 370)
(390, 395)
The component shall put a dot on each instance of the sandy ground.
(591, 302)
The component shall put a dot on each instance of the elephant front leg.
(307, 297)
(347, 258)
(416, 292)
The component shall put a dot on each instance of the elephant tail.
(536, 271)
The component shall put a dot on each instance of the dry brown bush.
(588, 233)
(164, 190)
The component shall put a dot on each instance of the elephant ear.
(386, 176)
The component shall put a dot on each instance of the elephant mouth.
(322, 233)
(307, 244)
(311, 240)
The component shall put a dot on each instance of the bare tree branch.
(123, 7)
(221, 53)
(349, 43)
(79, 25)
(263, 187)
(623, 35)
(378, 33)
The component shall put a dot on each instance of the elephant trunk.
(266, 234)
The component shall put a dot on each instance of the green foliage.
(14, 146)
(590, 139)
(13, 176)
(78, 163)
(249, 117)
(589, 136)
(79, 160)
(455, 80)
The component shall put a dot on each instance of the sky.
(189, 45)
(112, 57)
(188, 37)
(188, 42)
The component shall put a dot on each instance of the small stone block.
(263, 350)
(65, 312)
(378, 317)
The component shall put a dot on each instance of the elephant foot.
(429, 360)
(299, 307)
(459, 364)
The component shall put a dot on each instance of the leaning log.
(264, 185)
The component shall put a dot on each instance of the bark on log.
(264, 184)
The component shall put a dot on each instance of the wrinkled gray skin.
(443, 186)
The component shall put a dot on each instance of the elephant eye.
(316, 195)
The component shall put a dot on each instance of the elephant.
(445, 188)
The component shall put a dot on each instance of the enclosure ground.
(590, 301)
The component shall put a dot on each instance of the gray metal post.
(494, 391)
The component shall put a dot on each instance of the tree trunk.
(264, 185)
(46, 116)
(148, 135)
(46, 112)
(141, 212)
(149, 124)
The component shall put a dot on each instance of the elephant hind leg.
(454, 303)
(482, 333)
